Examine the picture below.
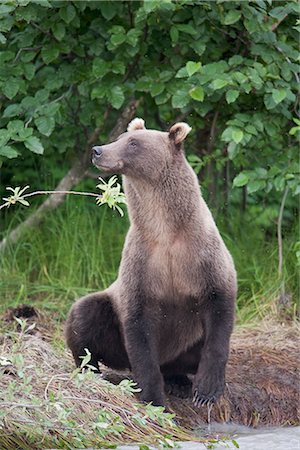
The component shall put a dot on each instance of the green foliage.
(63, 63)
(230, 69)
(17, 196)
(112, 195)
(42, 400)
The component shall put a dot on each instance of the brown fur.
(170, 312)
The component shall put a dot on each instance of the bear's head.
(140, 152)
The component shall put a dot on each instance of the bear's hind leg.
(93, 324)
(175, 372)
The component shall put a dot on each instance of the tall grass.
(75, 251)
(78, 247)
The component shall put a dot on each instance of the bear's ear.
(179, 132)
(136, 124)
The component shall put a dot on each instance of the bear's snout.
(96, 151)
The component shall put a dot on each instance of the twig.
(31, 194)
(276, 24)
(282, 298)
(19, 405)
(279, 232)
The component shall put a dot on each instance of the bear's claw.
(202, 400)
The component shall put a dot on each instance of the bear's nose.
(97, 151)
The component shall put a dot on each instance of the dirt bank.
(262, 379)
(262, 375)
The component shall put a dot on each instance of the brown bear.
(170, 312)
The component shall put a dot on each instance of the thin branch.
(31, 194)
(279, 232)
(19, 405)
(276, 24)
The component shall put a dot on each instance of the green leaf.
(232, 95)
(182, 73)
(180, 99)
(29, 71)
(197, 93)
(25, 133)
(58, 30)
(118, 39)
(294, 130)
(15, 126)
(219, 84)
(269, 101)
(49, 54)
(117, 97)
(232, 16)
(45, 125)
(188, 29)
(235, 443)
(235, 60)
(67, 13)
(98, 92)
(278, 95)
(132, 37)
(6, 9)
(255, 185)
(199, 47)
(280, 12)
(174, 34)
(2, 38)
(12, 110)
(157, 89)
(100, 68)
(8, 151)
(34, 145)
(232, 150)
(237, 135)
(108, 9)
(240, 180)
(11, 87)
(192, 67)
(4, 137)
(143, 84)
(118, 67)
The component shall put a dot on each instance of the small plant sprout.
(17, 196)
(111, 195)
(85, 359)
(25, 328)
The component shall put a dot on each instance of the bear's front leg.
(209, 381)
(141, 345)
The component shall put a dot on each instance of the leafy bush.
(230, 69)
(63, 64)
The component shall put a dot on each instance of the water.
(266, 438)
(280, 438)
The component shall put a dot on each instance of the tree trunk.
(226, 183)
(73, 177)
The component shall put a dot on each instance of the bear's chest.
(173, 271)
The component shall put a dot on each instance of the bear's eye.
(132, 144)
